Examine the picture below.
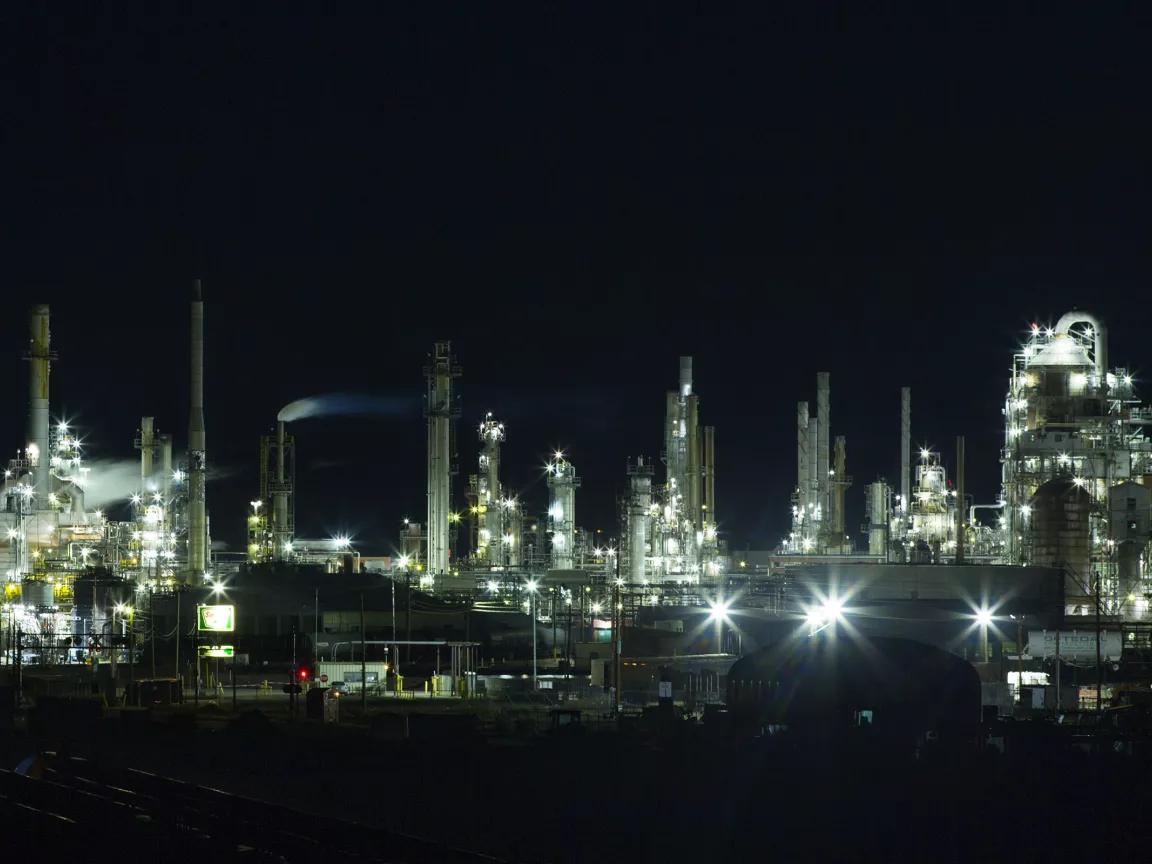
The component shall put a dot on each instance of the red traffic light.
(304, 674)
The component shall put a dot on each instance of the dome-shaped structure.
(835, 680)
(1063, 350)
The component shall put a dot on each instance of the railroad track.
(75, 807)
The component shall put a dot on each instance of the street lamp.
(984, 620)
(718, 612)
(824, 615)
(531, 586)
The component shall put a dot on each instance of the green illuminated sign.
(217, 651)
(216, 619)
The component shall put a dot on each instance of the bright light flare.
(828, 612)
(984, 616)
(718, 610)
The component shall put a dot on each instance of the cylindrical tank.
(1060, 530)
(878, 496)
(638, 519)
(36, 593)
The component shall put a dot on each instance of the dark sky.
(575, 196)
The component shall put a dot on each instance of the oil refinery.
(1028, 609)
(86, 590)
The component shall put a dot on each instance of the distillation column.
(692, 471)
(840, 485)
(709, 474)
(197, 456)
(816, 513)
(439, 409)
(490, 543)
(878, 496)
(147, 447)
(639, 517)
(513, 533)
(39, 370)
(562, 484)
(803, 479)
(823, 397)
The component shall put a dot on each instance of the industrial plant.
(525, 594)
(934, 623)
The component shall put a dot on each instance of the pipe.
(1100, 340)
(197, 456)
(972, 510)
(905, 449)
(39, 372)
(823, 453)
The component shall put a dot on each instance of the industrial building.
(50, 536)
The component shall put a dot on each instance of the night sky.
(575, 196)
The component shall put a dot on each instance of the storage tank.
(1060, 530)
(878, 514)
(36, 593)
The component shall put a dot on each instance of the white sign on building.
(1074, 644)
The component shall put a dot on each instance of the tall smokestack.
(39, 370)
(147, 451)
(197, 458)
(823, 452)
(906, 447)
(281, 536)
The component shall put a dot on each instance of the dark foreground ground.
(645, 793)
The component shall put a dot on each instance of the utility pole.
(408, 616)
(618, 638)
(1019, 658)
(152, 624)
(316, 632)
(176, 593)
(363, 662)
(532, 623)
(1099, 667)
(292, 686)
